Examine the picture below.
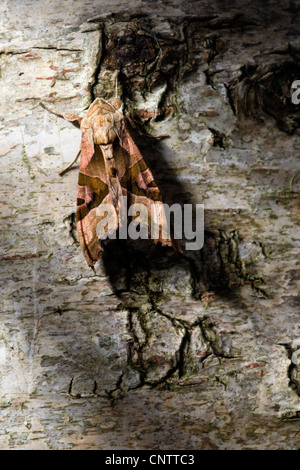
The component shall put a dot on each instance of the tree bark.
(172, 351)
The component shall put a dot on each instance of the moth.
(111, 165)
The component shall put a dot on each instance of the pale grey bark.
(171, 352)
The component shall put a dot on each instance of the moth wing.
(143, 188)
(87, 146)
(139, 176)
(92, 191)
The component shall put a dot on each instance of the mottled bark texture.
(169, 351)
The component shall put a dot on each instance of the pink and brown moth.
(111, 166)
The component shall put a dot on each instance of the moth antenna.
(117, 102)
(71, 164)
(117, 132)
(116, 87)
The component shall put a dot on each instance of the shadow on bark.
(216, 267)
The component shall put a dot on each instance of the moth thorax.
(104, 135)
(106, 129)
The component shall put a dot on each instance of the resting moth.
(111, 166)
